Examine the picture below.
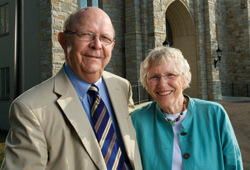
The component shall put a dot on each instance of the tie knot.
(93, 88)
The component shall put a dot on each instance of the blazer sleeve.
(230, 147)
(25, 144)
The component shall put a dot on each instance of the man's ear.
(62, 41)
(113, 45)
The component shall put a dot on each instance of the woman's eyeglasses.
(167, 77)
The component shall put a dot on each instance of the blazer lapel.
(120, 108)
(72, 108)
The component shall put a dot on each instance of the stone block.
(47, 38)
(50, 56)
(54, 38)
(42, 24)
(66, 6)
(49, 32)
(58, 50)
(57, 26)
(106, 2)
(48, 13)
(48, 50)
(56, 7)
(53, 1)
(57, 45)
(67, 1)
(155, 21)
(49, 44)
(54, 14)
(74, 7)
(59, 58)
(41, 37)
(127, 1)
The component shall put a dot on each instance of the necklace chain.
(179, 117)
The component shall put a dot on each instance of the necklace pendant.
(173, 123)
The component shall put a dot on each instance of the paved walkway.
(238, 109)
(230, 98)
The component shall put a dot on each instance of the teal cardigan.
(208, 141)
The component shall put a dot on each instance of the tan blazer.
(50, 129)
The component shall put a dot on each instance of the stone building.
(196, 27)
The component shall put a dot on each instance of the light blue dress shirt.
(81, 88)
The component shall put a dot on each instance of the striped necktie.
(105, 133)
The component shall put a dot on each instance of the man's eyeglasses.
(168, 77)
(88, 36)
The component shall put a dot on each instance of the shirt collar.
(81, 86)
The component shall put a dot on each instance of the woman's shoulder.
(204, 103)
(207, 107)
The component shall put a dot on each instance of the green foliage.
(3, 134)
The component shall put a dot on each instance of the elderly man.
(78, 119)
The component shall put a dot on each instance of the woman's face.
(166, 90)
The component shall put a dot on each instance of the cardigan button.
(183, 133)
(186, 156)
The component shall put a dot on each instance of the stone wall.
(222, 41)
(238, 32)
(137, 36)
(200, 49)
(45, 40)
(116, 11)
(159, 22)
(53, 13)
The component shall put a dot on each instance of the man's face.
(88, 59)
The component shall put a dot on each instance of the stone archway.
(183, 34)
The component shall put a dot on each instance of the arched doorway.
(181, 23)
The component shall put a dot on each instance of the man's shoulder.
(38, 91)
(118, 78)
(41, 92)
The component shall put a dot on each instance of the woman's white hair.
(162, 54)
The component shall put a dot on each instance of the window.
(85, 3)
(4, 19)
(5, 83)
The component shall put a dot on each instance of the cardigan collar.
(186, 122)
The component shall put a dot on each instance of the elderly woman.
(178, 132)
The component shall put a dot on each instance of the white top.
(177, 155)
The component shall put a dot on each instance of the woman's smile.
(164, 93)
